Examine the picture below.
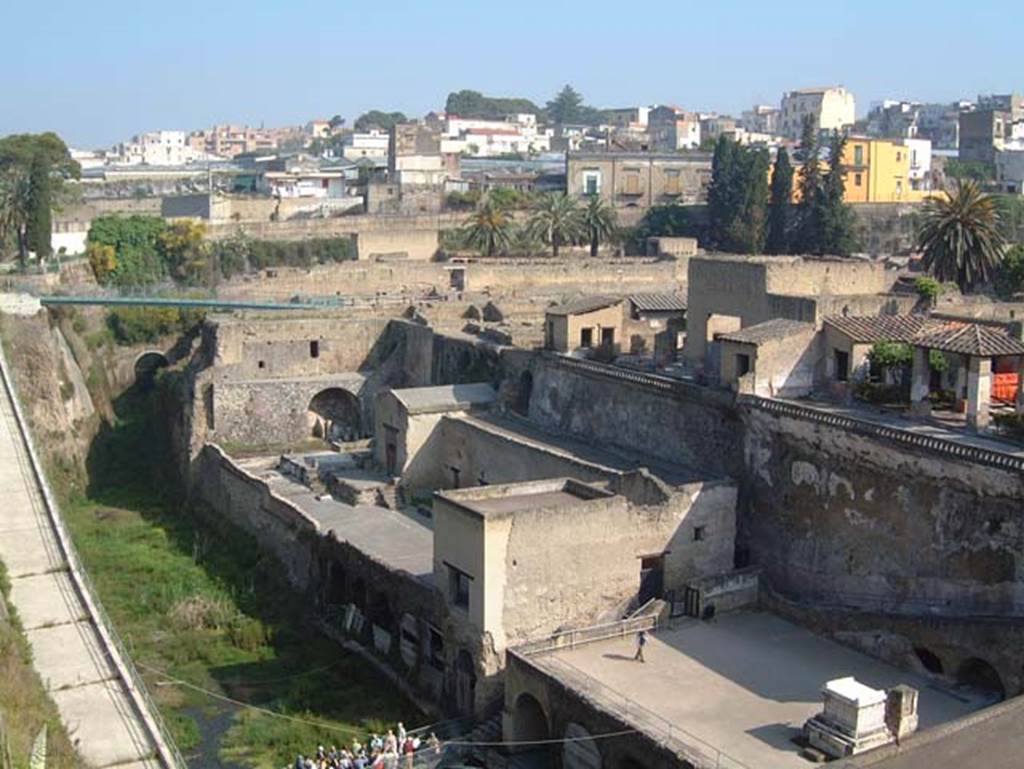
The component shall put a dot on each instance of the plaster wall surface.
(834, 513)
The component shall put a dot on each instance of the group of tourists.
(389, 751)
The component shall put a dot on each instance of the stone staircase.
(387, 496)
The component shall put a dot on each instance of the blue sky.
(98, 71)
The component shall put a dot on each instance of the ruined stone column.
(979, 392)
(920, 384)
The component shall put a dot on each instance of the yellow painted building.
(877, 171)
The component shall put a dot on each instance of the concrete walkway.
(67, 650)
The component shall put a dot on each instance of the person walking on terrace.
(641, 642)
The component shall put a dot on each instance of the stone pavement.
(742, 684)
(66, 649)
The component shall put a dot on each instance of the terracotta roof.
(953, 336)
(583, 305)
(970, 339)
(879, 328)
(659, 302)
(770, 330)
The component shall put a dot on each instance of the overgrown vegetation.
(129, 251)
(199, 601)
(25, 707)
(134, 325)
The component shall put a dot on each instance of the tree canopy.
(780, 206)
(473, 104)
(738, 197)
(32, 170)
(568, 106)
(375, 118)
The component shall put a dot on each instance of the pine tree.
(838, 220)
(808, 236)
(780, 206)
(566, 107)
(39, 225)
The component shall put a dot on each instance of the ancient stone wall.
(666, 419)
(836, 511)
(279, 526)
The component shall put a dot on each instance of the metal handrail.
(574, 637)
(113, 646)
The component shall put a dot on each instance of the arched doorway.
(522, 402)
(529, 722)
(335, 414)
(579, 750)
(147, 364)
(978, 674)
(465, 682)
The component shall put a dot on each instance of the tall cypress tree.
(747, 230)
(722, 191)
(838, 220)
(39, 225)
(808, 236)
(780, 205)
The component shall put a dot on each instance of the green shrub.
(928, 288)
(873, 392)
(1012, 425)
(134, 325)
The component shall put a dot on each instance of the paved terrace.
(69, 651)
(401, 541)
(744, 684)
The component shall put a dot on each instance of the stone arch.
(147, 363)
(336, 414)
(579, 751)
(979, 674)
(529, 721)
(929, 660)
(523, 393)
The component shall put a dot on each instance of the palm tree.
(960, 236)
(599, 221)
(489, 227)
(556, 220)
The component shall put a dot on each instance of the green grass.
(200, 601)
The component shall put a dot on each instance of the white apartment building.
(920, 173)
(517, 134)
(373, 144)
(155, 148)
(829, 109)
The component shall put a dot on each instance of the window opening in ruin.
(586, 337)
(261, 364)
(742, 364)
(455, 477)
(458, 587)
(436, 652)
(314, 349)
(607, 337)
(699, 533)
